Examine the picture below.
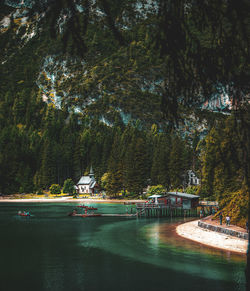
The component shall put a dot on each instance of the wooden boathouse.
(173, 204)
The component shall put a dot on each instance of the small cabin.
(175, 199)
(183, 200)
(192, 179)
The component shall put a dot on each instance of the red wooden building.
(176, 200)
(183, 200)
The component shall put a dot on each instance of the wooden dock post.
(158, 210)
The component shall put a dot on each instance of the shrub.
(156, 190)
(55, 189)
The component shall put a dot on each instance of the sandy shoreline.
(192, 231)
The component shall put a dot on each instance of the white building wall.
(84, 189)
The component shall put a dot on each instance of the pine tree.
(177, 163)
(136, 170)
(115, 181)
(68, 186)
(160, 164)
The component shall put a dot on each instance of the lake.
(52, 251)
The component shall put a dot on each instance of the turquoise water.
(51, 251)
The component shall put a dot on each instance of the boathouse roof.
(184, 195)
(155, 196)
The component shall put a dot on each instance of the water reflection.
(154, 237)
(144, 241)
(63, 253)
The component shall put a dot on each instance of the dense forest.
(119, 85)
(42, 145)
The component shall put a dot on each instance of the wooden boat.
(85, 214)
(91, 208)
(23, 213)
(86, 207)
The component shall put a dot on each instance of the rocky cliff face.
(107, 83)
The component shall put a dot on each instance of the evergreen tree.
(68, 186)
(115, 181)
(178, 162)
(160, 164)
(136, 165)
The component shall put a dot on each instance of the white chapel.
(87, 184)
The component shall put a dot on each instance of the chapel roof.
(85, 180)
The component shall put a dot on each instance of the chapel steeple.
(91, 172)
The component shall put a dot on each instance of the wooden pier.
(120, 215)
(172, 204)
(162, 210)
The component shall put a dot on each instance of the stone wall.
(223, 230)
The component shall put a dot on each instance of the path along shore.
(192, 231)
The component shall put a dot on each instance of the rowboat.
(23, 213)
(91, 208)
(85, 214)
(87, 207)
